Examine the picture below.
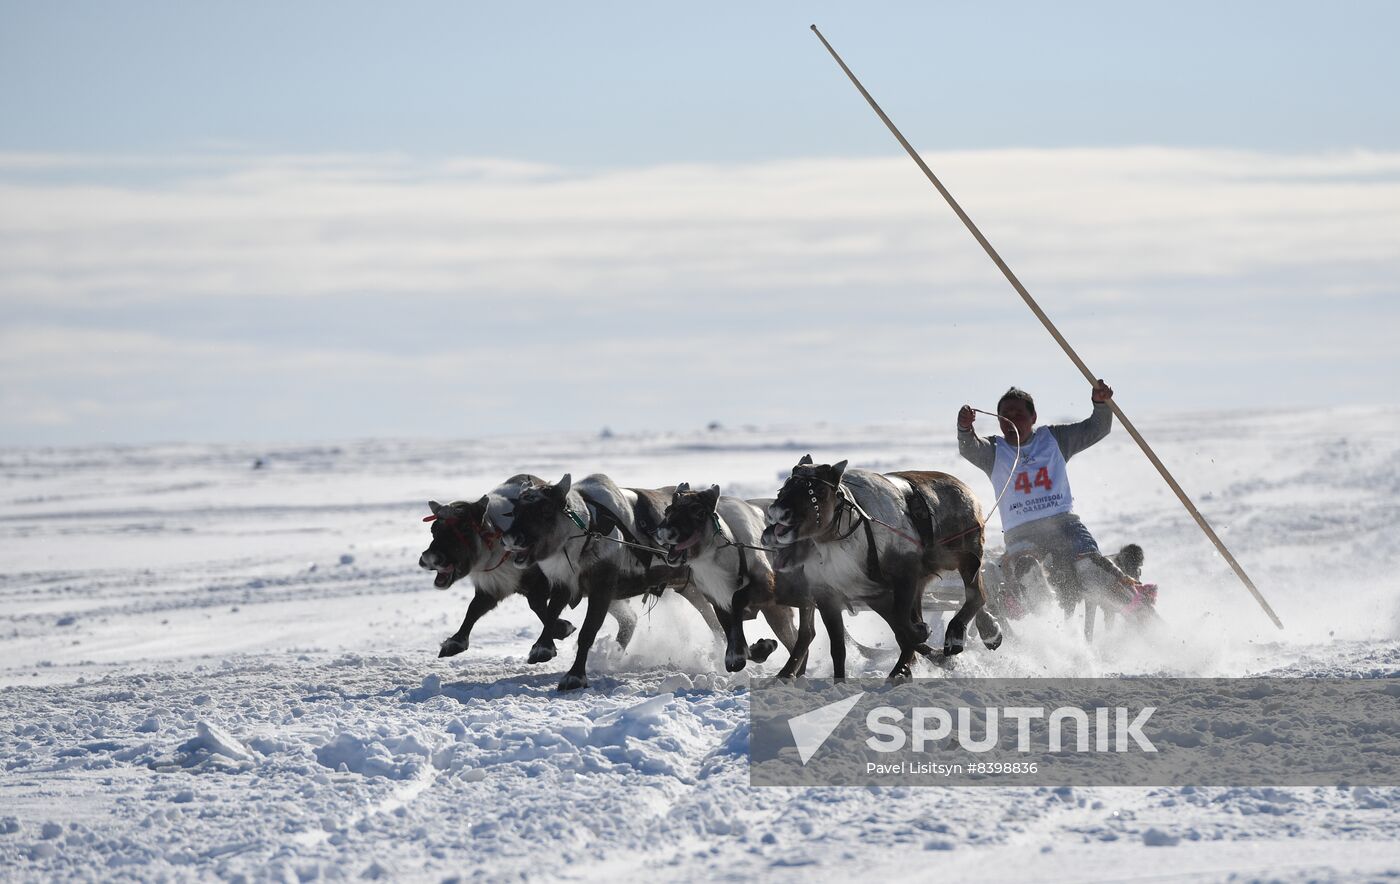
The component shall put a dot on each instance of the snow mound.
(211, 743)
(649, 737)
(402, 758)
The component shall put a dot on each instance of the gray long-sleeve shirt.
(1072, 438)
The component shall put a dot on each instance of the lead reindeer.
(467, 541)
(857, 537)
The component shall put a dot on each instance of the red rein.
(487, 537)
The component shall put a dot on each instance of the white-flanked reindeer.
(860, 537)
(717, 537)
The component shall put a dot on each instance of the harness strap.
(961, 534)
(919, 514)
(859, 519)
(743, 559)
(872, 555)
(605, 520)
(504, 555)
(574, 517)
(488, 537)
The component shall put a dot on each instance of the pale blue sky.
(290, 221)
(631, 83)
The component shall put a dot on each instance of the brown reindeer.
(858, 537)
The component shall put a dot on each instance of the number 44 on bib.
(1025, 484)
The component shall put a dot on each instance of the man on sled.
(1037, 516)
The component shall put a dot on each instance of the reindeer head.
(806, 505)
(542, 522)
(688, 522)
(462, 539)
(1131, 559)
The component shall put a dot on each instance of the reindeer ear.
(711, 496)
(561, 488)
(838, 469)
(477, 511)
(434, 506)
(684, 486)
(806, 459)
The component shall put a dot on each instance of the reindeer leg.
(782, 620)
(536, 588)
(970, 569)
(461, 640)
(908, 598)
(600, 589)
(779, 619)
(806, 631)
(989, 626)
(955, 636)
(1070, 588)
(906, 636)
(836, 632)
(726, 625)
(543, 649)
(992, 619)
(736, 651)
(902, 610)
(626, 621)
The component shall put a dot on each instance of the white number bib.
(1040, 486)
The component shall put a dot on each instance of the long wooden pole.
(1055, 333)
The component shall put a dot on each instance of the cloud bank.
(150, 276)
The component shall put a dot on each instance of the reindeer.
(855, 536)
(1029, 578)
(648, 509)
(569, 532)
(716, 536)
(467, 541)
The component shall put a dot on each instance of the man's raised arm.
(1074, 438)
(975, 449)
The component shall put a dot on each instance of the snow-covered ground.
(212, 670)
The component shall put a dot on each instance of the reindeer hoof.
(993, 642)
(541, 654)
(571, 682)
(900, 674)
(762, 649)
(451, 648)
(952, 645)
(561, 630)
(735, 662)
